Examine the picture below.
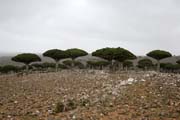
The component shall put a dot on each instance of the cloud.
(138, 25)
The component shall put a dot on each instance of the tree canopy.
(26, 58)
(159, 54)
(55, 54)
(75, 52)
(119, 54)
(145, 63)
(178, 62)
(128, 64)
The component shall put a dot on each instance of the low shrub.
(9, 68)
(97, 64)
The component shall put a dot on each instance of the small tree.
(26, 58)
(75, 53)
(159, 55)
(68, 63)
(99, 64)
(178, 62)
(9, 68)
(145, 63)
(127, 64)
(56, 54)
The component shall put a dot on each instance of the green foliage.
(37, 65)
(75, 52)
(9, 68)
(128, 64)
(71, 105)
(159, 54)
(106, 53)
(55, 54)
(145, 63)
(48, 65)
(22, 68)
(26, 58)
(79, 65)
(98, 63)
(60, 107)
(122, 54)
(62, 66)
(119, 54)
(170, 66)
(70, 63)
(178, 62)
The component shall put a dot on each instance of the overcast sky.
(137, 25)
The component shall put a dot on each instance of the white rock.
(74, 117)
(130, 80)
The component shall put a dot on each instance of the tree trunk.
(27, 68)
(111, 65)
(72, 65)
(56, 66)
(158, 66)
(121, 65)
(145, 68)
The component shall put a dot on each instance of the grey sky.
(137, 25)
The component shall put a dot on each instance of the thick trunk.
(158, 66)
(72, 64)
(27, 68)
(56, 66)
(112, 65)
(121, 65)
(145, 68)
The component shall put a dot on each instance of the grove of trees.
(111, 57)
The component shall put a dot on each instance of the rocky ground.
(90, 95)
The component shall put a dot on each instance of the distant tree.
(48, 65)
(56, 54)
(178, 62)
(62, 66)
(122, 55)
(75, 53)
(159, 55)
(145, 63)
(118, 54)
(9, 68)
(37, 65)
(99, 64)
(26, 58)
(169, 67)
(105, 53)
(127, 64)
(69, 63)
